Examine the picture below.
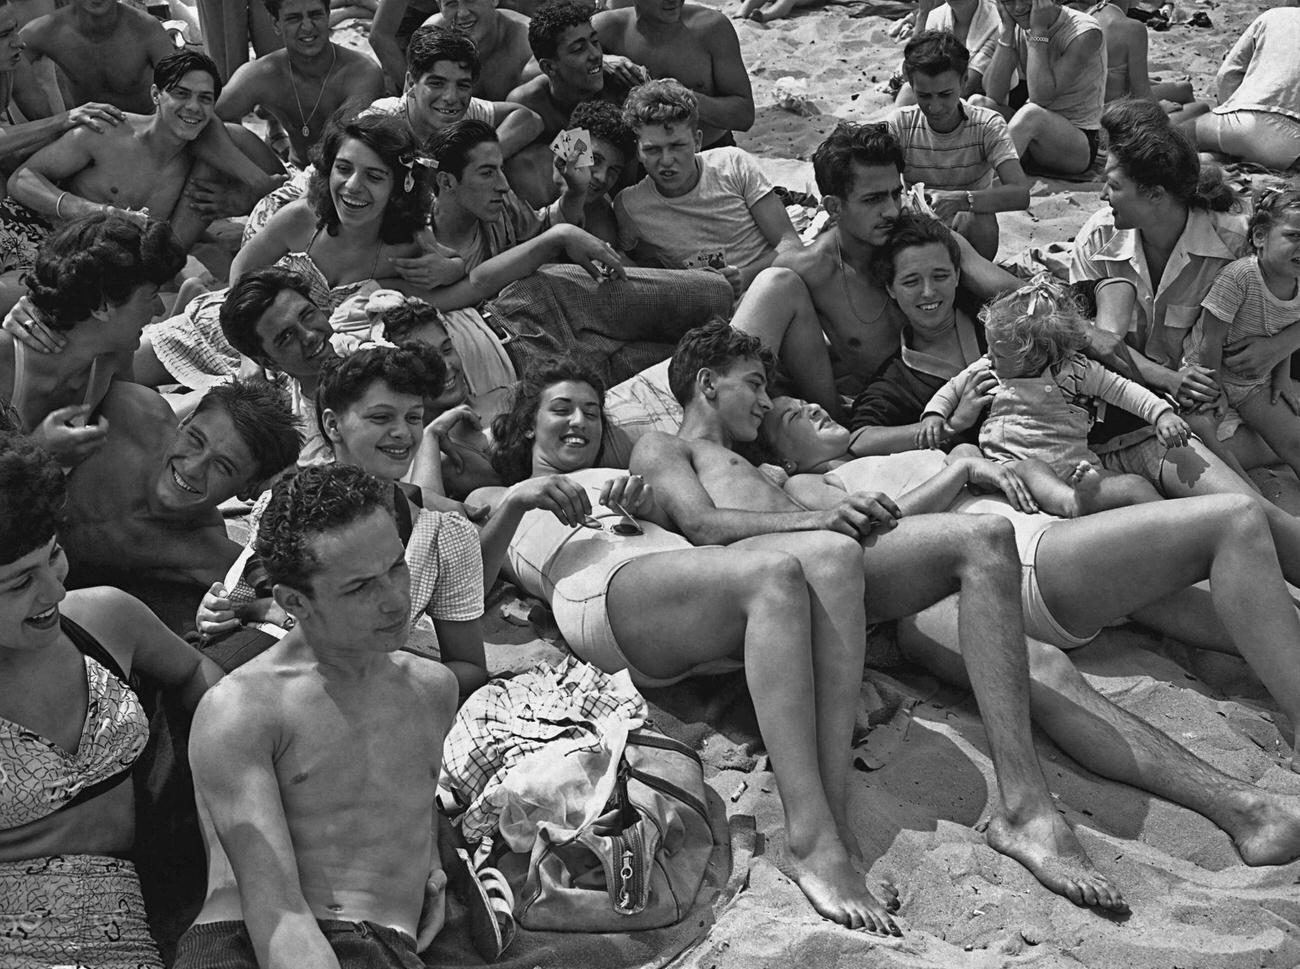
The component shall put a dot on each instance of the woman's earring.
(789, 467)
(409, 184)
(528, 435)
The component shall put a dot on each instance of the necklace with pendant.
(306, 118)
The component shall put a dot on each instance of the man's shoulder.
(814, 263)
(706, 21)
(137, 410)
(515, 26)
(435, 680)
(355, 64)
(660, 444)
(615, 21)
(532, 92)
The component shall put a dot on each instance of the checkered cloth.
(505, 721)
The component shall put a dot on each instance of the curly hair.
(412, 368)
(911, 230)
(512, 447)
(1158, 156)
(450, 146)
(399, 322)
(304, 506)
(664, 102)
(1269, 208)
(933, 52)
(390, 138)
(605, 120)
(715, 345)
(549, 23)
(169, 71)
(32, 496)
(99, 259)
(429, 44)
(260, 413)
(1041, 322)
(251, 297)
(867, 144)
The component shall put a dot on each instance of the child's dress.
(1042, 417)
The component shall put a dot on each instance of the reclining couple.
(734, 569)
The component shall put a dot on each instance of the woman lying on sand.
(628, 594)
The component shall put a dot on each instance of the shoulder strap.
(402, 511)
(88, 645)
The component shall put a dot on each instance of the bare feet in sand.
(1047, 846)
(1269, 833)
(826, 875)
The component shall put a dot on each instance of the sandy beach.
(919, 808)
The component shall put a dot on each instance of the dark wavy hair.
(512, 447)
(32, 496)
(248, 299)
(549, 23)
(400, 321)
(909, 231)
(932, 52)
(605, 120)
(167, 73)
(304, 506)
(430, 44)
(263, 420)
(450, 146)
(1159, 156)
(866, 144)
(412, 368)
(390, 139)
(99, 259)
(714, 345)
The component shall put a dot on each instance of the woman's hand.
(93, 115)
(1194, 386)
(591, 253)
(556, 493)
(1042, 15)
(23, 324)
(1254, 356)
(932, 433)
(624, 70)
(1283, 389)
(439, 431)
(991, 476)
(1172, 430)
(67, 437)
(436, 266)
(974, 398)
(636, 497)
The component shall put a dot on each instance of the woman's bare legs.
(778, 310)
(1113, 743)
(1092, 570)
(672, 611)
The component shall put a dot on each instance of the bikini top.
(323, 294)
(96, 384)
(39, 778)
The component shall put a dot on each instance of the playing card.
(580, 148)
(560, 145)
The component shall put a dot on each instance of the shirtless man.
(713, 497)
(568, 53)
(306, 82)
(144, 506)
(139, 165)
(105, 51)
(316, 763)
(859, 171)
(698, 46)
(499, 36)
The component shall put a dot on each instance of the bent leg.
(1050, 140)
(925, 559)
(1091, 571)
(1113, 743)
(672, 611)
(1276, 423)
(778, 310)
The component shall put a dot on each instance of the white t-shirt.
(714, 215)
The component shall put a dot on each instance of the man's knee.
(769, 577)
(987, 541)
(829, 556)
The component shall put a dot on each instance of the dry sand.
(1195, 906)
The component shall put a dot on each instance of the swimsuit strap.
(402, 512)
(88, 645)
(314, 236)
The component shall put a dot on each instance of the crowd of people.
(508, 303)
